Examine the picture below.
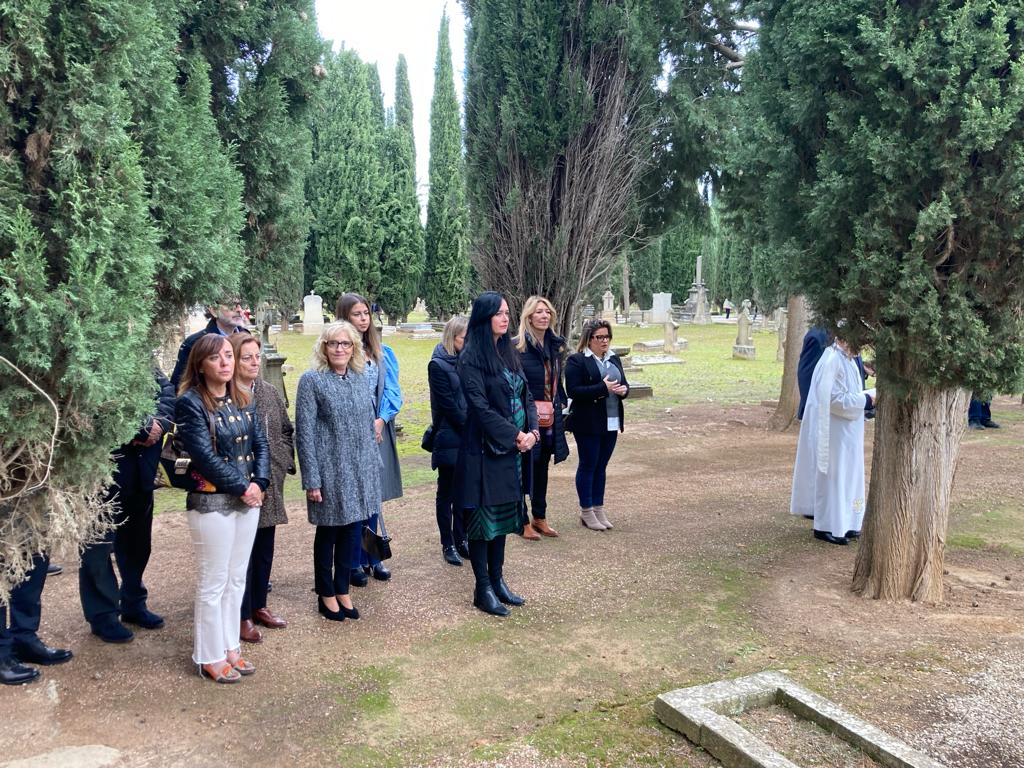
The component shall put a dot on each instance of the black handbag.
(427, 443)
(376, 545)
(174, 469)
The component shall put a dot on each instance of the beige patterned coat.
(273, 414)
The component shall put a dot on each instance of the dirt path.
(704, 576)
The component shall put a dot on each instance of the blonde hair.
(457, 325)
(320, 362)
(524, 318)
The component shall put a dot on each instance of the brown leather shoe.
(541, 526)
(529, 534)
(248, 632)
(267, 619)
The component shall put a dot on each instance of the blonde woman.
(339, 460)
(541, 351)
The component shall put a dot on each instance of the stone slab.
(656, 360)
(701, 714)
(643, 346)
(640, 391)
(740, 352)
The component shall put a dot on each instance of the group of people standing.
(500, 412)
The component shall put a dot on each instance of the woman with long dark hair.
(541, 351)
(500, 428)
(382, 377)
(230, 467)
(448, 421)
(595, 381)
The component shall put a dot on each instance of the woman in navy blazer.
(596, 383)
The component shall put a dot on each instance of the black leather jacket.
(242, 454)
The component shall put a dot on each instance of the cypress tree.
(446, 272)
(897, 131)
(402, 250)
(345, 185)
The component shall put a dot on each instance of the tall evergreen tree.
(264, 58)
(114, 177)
(402, 249)
(897, 131)
(345, 185)
(446, 273)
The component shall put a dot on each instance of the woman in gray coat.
(339, 460)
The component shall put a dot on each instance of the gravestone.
(608, 311)
(696, 310)
(781, 319)
(662, 307)
(313, 315)
(671, 335)
(743, 349)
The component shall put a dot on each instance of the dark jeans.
(595, 451)
(979, 411)
(333, 546)
(360, 558)
(539, 494)
(449, 516)
(257, 577)
(25, 609)
(130, 543)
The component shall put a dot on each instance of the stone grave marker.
(743, 349)
(608, 311)
(671, 335)
(662, 307)
(313, 315)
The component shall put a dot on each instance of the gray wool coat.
(273, 415)
(337, 450)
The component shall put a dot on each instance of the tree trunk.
(917, 445)
(789, 394)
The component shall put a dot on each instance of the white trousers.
(222, 545)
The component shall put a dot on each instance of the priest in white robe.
(828, 478)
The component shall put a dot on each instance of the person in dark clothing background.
(19, 625)
(448, 421)
(131, 494)
(226, 318)
(540, 351)
(979, 414)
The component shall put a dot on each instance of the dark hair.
(372, 347)
(480, 348)
(589, 329)
(205, 346)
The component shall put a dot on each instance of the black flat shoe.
(462, 547)
(349, 613)
(143, 617)
(327, 613)
(505, 595)
(808, 517)
(54, 570)
(37, 652)
(113, 632)
(13, 673)
(487, 601)
(357, 578)
(853, 534)
(989, 424)
(823, 536)
(451, 556)
(380, 573)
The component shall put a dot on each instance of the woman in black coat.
(597, 385)
(541, 351)
(448, 421)
(500, 428)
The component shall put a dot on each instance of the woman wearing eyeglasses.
(382, 379)
(339, 461)
(597, 385)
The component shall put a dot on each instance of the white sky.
(379, 30)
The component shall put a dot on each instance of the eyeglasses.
(337, 344)
(601, 338)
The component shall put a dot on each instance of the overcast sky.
(379, 30)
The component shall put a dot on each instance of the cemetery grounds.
(705, 576)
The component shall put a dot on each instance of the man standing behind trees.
(225, 318)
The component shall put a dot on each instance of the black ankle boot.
(483, 596)
(495, 567)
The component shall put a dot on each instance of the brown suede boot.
(529, 534)
(541, 526)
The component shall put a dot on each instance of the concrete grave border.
(701, 714)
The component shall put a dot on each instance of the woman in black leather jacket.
(448, 420)
(230, 467)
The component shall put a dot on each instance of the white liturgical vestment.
(828, 478)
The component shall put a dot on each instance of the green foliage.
(446, 272)
(896, 135)
(401, 258)
(680, 247)
(645, 273)
(345, 185)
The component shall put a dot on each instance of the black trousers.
(539, 494)
(257, 577)
(26, 608)
(131, 544)
(449, 515)
(333, 547)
